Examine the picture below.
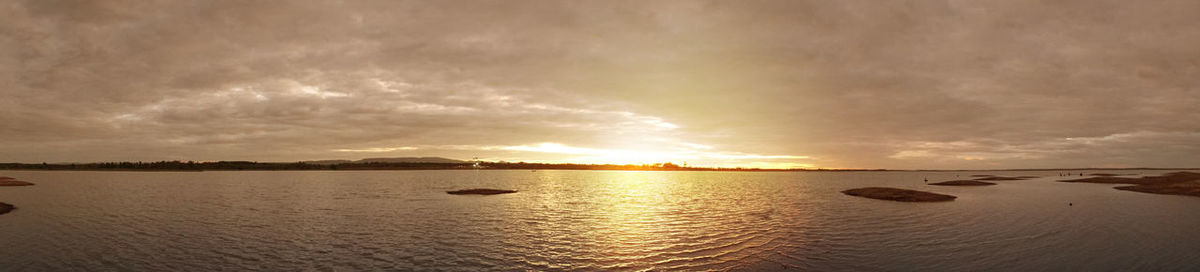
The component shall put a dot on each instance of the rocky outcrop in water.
(480, 192)
(963, 183)
(895, 194)
(1177, 183)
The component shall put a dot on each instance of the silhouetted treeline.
(250, 165)
(229, 165)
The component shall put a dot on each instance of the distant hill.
(413, 160)
(390, 160)
(328, 162)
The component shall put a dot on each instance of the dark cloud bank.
(872, 84)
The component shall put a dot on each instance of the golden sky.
(779, 84)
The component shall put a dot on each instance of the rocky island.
(895, 194)
(963, 183)
(1177, 183)
(480, 192)
(7, 181)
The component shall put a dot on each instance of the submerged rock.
(963, 183)
(5, 208)
(480, 192)
(7, 181)
(895, 194)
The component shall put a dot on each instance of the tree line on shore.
(252, 165)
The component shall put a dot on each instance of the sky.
(776, 84)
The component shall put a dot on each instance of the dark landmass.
(5, 208)
(480, 192)
(895, 194)
(7, 181)
(963, 183)
(1177, 183)
(1003, 178)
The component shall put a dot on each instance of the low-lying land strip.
(7, 181)
(1005, 178)
(963, 183)
(895, 194)
(1177, 183)
(480, 192)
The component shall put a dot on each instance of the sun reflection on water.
(643, 220)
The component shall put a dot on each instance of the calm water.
(583, 220)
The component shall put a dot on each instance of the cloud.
(905, 84)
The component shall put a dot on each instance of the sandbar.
(480, 192)
(963, 183)
(1177, 183)
(5, 208)
(7, 181)
(1003, 178)
(895, 194)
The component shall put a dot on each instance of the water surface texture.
(584, 220)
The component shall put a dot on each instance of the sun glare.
(687, 154)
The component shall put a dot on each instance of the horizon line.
(659, 165)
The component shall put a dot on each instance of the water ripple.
(579, 221)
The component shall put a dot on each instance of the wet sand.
(963, 183)
(1177, 183)
(895, 194)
